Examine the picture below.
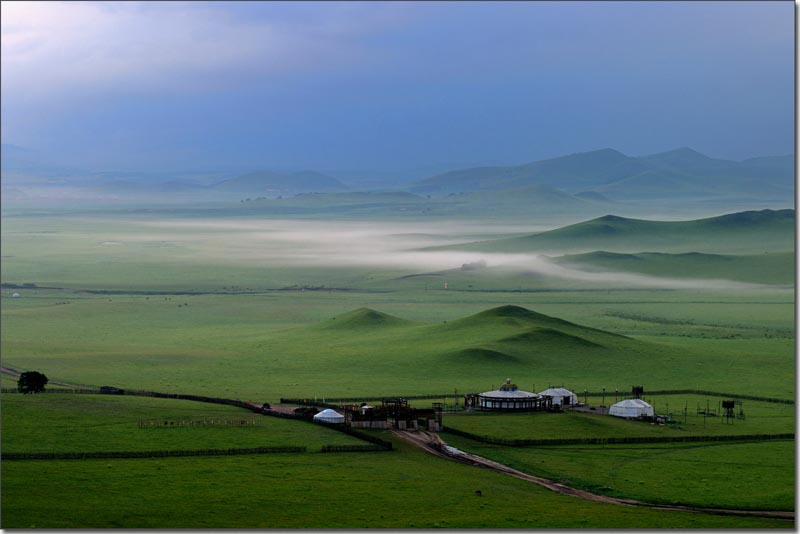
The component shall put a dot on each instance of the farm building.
(560, 396)
(509, 398)
(329, 416)
(631, 409)
(394, 413)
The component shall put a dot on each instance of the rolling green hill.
(742, 232)
(768, 268)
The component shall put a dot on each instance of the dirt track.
(433, 444)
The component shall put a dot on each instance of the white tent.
(631, 408)
(561, 396)
(329, 416)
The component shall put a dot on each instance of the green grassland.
(223, 346)
(400, 489)
(110, 307)
(700, 474)
(88, 423)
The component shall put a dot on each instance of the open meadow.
(260, 309)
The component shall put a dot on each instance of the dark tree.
(31, 382)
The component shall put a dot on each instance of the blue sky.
(394, 86)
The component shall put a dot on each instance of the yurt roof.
(328, 413)
(632, 403)
(515, 394)
(557, 392)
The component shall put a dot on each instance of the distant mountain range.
(272, 183)
(678, 173)
(584, 183)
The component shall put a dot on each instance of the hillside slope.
(771, 268)
(742, 232)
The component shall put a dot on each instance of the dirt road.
(433, 444)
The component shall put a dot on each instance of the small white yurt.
(561, 396)
(631, 409)
(329, 416)
(15, 296)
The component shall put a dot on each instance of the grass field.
(699, 474)
(401, 489)
(88, 423)
(293, 308)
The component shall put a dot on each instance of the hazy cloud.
(353, 245)
(50, 47)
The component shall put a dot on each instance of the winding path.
(433, 444)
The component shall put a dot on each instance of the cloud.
(50, 47)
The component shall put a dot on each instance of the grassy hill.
(742, 232)
(768, 268)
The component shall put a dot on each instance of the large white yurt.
(329, 416)
(631, 409)
(508, 398)
(561, 396)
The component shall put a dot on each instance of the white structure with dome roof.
(508, 398)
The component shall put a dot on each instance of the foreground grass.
(400, 489)
(87, 423)
(705, 474)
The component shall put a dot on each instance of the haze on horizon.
(395, 86)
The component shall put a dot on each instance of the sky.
(409, 87)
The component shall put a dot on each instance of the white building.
(508, 398)
(631, 409)
(329, 416)
(561, 396)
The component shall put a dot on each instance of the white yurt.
(329, 416)
(561, 396)
(631, 408)
(508, 398)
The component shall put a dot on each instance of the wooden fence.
(144, 454)
(351, 448)
(615, 440)
(329, 400)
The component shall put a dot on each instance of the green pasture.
(760, 418)
(88, 423)
(107, 309)
(712, 474)
(251, 346)
(405, 488)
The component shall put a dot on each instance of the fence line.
(144, 454)
(329, 400)
(614, 440)
(351, 448)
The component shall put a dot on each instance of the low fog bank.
(352, 244)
